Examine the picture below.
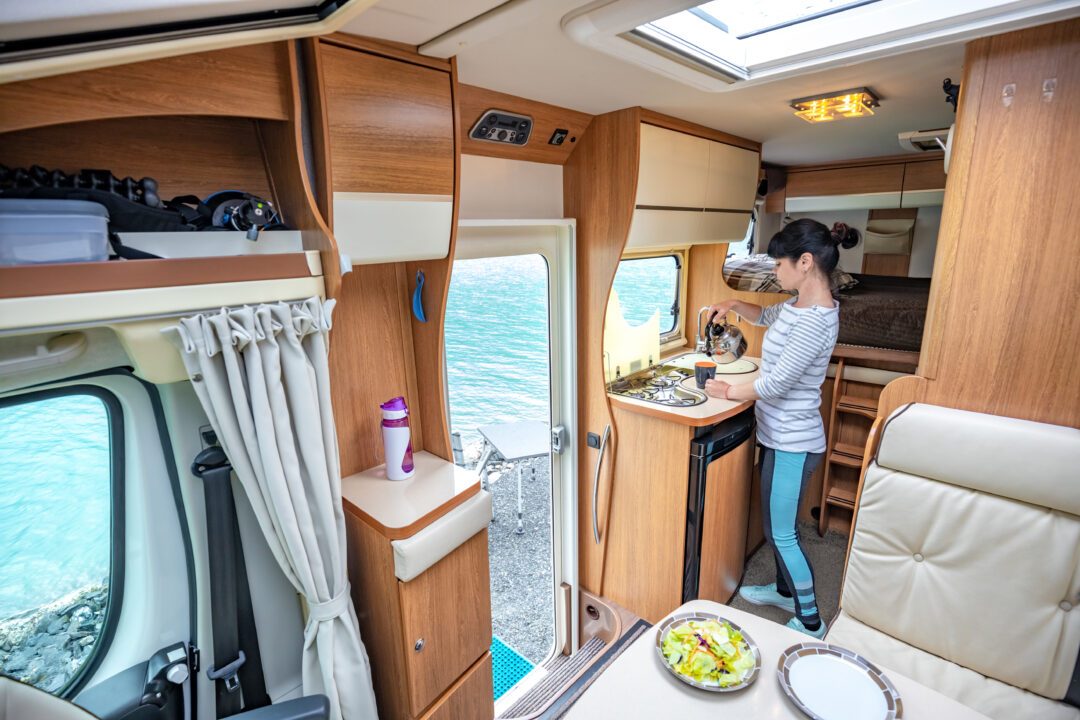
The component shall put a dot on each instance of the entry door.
(502, 376)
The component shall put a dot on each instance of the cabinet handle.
(596, 484)
(418, 645)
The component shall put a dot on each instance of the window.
(60, 526)
(649, 285)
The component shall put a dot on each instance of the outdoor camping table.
(513, 442)
(637, 685)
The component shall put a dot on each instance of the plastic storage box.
(52, 231)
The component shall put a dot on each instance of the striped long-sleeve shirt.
(794, 359)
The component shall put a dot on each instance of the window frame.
(674, 338)
(117, 464)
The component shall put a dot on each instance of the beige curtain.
(262, 376)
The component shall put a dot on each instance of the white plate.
(828, 682)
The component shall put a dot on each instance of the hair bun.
(844, 236)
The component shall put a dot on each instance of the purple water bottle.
(397, 443)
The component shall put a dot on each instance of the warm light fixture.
(856, 102)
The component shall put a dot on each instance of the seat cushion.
(982, 581)
(990, 697)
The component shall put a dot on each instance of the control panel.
(502, 127)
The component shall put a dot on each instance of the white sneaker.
(796, 624)
(766, 595)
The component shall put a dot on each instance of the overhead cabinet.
(867, 187)
(391, 132)
(691, 190)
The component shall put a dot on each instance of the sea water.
(55, 486)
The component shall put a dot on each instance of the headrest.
(1028, 461)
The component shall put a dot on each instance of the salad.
(709, 652)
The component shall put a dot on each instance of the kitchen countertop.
(712, 411)
(637, 685)
(401, 508)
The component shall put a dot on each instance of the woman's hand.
(722, 308)
(717, 389)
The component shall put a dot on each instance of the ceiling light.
(856, 102)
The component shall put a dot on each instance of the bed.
(875, 311)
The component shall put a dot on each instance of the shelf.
(841, 497)
(854, 451)
(857, 406)
(846, 460)
(67, 278)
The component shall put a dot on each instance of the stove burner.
(659, 384)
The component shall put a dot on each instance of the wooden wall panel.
(186, 155)
(705, 285)
(391, 124)
(370, 361)
(1001, 332)
(889, 264)
(474, 101)
(252, 81)
(599, 186)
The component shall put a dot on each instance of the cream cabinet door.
(672, 168)
(729, 227)
(658, 229)
(733, 177)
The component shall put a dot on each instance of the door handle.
(596, 484)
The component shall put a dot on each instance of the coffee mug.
(703, 371)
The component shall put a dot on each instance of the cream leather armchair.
(964, 566)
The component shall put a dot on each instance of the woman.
(794, 358)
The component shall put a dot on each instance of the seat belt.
(238, 672)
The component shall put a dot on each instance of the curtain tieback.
(332, 609)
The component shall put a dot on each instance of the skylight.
(743, 19)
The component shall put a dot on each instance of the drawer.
(469, 697)
(446, 620)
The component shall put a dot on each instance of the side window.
(646, 285)
(60, 532)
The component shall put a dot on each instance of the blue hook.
(418, 296)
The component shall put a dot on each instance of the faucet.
(703, 340)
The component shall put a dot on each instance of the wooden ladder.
(838, 453)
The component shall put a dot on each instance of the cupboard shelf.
(841, 498)
(857, 406)
(838, 458)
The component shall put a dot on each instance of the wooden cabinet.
(673, 169)
(924, 184)
(727, 506)
(730, 185)
(446, 620)
(470, 696)
(428, 638)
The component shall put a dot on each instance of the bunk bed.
(875, 310)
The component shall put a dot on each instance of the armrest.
(313, 707)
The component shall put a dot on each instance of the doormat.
(507, 666)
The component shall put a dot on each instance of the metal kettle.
(722, 342)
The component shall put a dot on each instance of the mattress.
(886, 312)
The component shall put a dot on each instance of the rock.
(55, 626)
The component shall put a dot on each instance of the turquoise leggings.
(784, 477)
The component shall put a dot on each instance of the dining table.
(637, 684)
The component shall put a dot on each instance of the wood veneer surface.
(926, 175)
(448, 606)
(249, 81)
(846, 181)
(1000, 335)
(375, 598)
(599, 186)
(391, 124)
(469, 697)
(186, 155)
(474, 101)
(370, 361)
(643, 567)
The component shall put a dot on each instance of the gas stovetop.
(659, 384)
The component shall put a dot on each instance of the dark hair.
(810, 236)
